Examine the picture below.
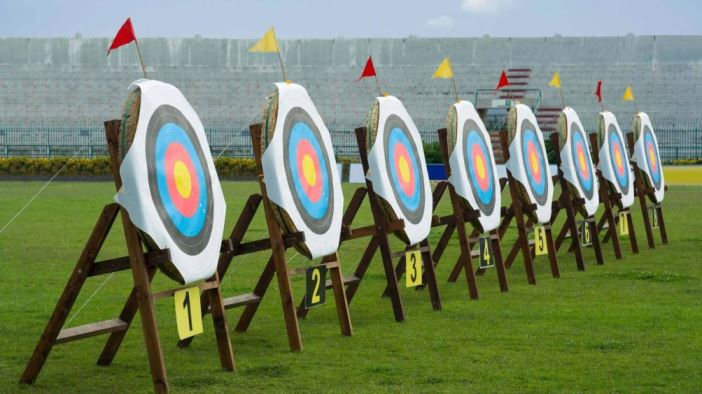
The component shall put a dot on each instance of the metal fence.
(678, 138)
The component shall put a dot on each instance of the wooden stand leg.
(430, 275)
(499, 265)
(661, 224)
(553, 259)
(219, 321)
(114, 341)
(595, 240)
(632, 233)
(465, 258)
(611, 221)
(342, 306)
(70, 293)
(362, 267)
(393, 290)
(260, 290)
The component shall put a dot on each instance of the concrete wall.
(69, 81)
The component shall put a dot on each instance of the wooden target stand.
(568, 202)
(610, 219)
(642, 191)
(379, 233)
(143, 265)
(517, 210)
(277, 265)
(457, 222)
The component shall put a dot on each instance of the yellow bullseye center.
(618, 158)
(581, 159)
(182, 179)
(480, 167)
(403, 165)
(534, 162)
(652, 157)
(308, 170)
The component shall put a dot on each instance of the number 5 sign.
(188, 313)
(540, 240)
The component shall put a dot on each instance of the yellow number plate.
(188, 313)
(413, 275)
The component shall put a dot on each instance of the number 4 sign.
(623, 223)
(315, 293)
(413, 260)
(485, 246)
(188, 313)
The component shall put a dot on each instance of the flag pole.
(282, 67)
(560, 90)
(455, 91)
(380, 92)
(280, 58)
(141, 60)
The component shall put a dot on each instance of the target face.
(652, 157)
(534, 159)
(308, 170)
(582, 161)
(404, 169)
(180, 185)
(618, 159)
(479, 167)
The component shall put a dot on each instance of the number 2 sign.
(315, 293)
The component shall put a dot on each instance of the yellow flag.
(555, 80)
(267, 43)
(444, 70)
(628, 94)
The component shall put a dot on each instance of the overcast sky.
(357, 18)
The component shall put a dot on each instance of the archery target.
(300, 172)
(472, 162)
(614, 159)
(647, 155)
(528, 162)
(397, 169)
(576, 161)
(169, 157)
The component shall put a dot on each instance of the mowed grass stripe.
(630, 325)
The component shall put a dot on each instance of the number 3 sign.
(413, 260)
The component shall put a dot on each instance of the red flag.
(124, 36)
(503, 80)
(368, 70)
(598, 91)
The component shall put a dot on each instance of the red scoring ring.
(483, 182)
(185, 205)
(532, 155)
(313, 192)
(399, 151)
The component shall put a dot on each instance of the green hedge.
(99, 166)
(686, 161)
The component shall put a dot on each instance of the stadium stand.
(56, 92)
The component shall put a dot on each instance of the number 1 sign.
(188, 312)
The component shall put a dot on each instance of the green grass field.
(633, 325)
